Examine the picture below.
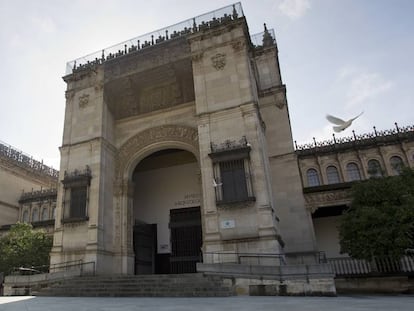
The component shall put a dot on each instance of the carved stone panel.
(219, 61)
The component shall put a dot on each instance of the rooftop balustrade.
(26, 161)
(366, 139)
(200, 23)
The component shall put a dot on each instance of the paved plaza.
(241, 303)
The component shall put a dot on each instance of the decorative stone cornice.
(316, 200)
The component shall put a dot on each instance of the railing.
(38, 195)
(192, 25)
(26, 160)
(265, 259)
(200, 23)
(379, 266)
(264, 39)
(338, 143)
(86, 268)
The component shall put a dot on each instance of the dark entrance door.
(145, 241)
(186, 239)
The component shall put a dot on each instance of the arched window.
(25, 217)
(313, 177)
(332, 175)
(45, 213)
(35, 215)
(396, 165)
(353, 172)
(374, 168)
(54, 212)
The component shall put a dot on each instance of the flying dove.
(215, 184)
(341, 124)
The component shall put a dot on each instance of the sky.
(339, 57)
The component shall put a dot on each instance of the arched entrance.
(167, 235)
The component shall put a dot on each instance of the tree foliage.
(380, 222)
(24, 247)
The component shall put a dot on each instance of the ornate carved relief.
(163, 133)
(196, 57)
(69, 94)
(99, 86)
(125, 66)
(159, 97)
(319, 199)
(219, 61)
(83, 100)
(238, 45)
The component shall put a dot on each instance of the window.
(75, 205)
(25, 216)
(332, 175)
(396, 165)
(313, 177)
(35, 215)
(231, 168)
(353, 172)
(233, 181)
(78, 202)
(374, 168)
(54, 212)
(45, 215)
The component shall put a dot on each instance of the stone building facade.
(27, 190)
(169, 139)
(328, 170)
(177, 148)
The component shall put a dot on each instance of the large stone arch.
(148, 141)
(128, 156)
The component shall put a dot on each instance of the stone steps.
(173, 285)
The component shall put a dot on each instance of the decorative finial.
(267, 37)
(235, 15)
(194, 25)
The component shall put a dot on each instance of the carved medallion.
(83, 100)
(219, 61)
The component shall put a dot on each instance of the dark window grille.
(233, 180)
(75, 203)
(78, 197)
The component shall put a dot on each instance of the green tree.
(24, 247)
(380, 222)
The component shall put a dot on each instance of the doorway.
(167, 194)
(186, 239)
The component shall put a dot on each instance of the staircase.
(157, 285)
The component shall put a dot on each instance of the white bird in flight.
(215, 184)
(341, 124)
